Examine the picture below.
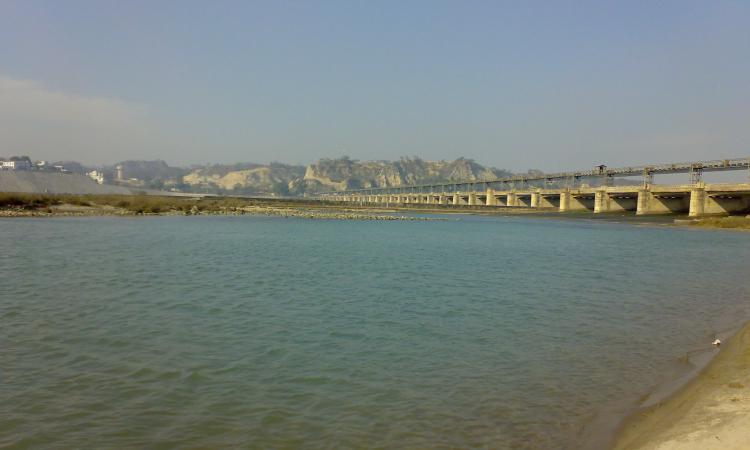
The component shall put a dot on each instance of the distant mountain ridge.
(274, 179)
(334, 174)
(278, 179)
(344, 173)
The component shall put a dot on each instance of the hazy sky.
(550, 85)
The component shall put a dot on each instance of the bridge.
(590, 190)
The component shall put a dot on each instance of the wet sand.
(710, 412)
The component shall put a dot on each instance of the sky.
(554, 85)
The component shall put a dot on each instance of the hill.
(273, 179)
(333, 174)
(54, 183)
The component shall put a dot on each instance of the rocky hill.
(344, 173)
(273, 179)
(331, 174)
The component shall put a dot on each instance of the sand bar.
(711, 412)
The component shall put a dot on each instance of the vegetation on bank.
(734, 222)
(37, 201)
(135, 204)
(44, 205)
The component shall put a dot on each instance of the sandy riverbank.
(46, 205)
(711, 412)
(67, 210)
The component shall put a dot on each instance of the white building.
(16, 165)
(96, 176)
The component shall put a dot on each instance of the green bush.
(138, 204)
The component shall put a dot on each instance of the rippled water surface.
(224, 332)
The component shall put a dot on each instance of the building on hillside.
(119, 173)
(20, 164)
(96, 176)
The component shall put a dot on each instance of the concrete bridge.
(695, 199)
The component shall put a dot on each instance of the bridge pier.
(650, 202)
(601, 201)
(490, 200)
(697, 202)
(458, 199)
(718, 200)
(609, 200)
(535, 199)
(565, 201)
(570, 201)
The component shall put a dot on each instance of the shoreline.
(48, 206)
(365, 213)
(708, 408)
(312, 214)
(66, 205)
(606, 428)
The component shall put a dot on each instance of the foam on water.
(280, 333)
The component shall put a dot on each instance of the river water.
(254, 332)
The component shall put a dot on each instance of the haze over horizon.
(516, 86)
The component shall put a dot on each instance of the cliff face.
(338, 174)
(273, 179)
(333, 174)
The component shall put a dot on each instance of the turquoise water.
(225, 332)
